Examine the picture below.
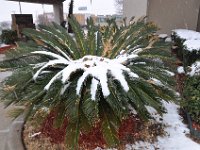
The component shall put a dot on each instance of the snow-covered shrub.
(188, 45)
(96, 77)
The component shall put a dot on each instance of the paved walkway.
(10, 131)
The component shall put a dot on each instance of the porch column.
(58, 12)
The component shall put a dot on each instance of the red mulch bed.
(180, 79)
(128, 132)
(196, 126)
(5, 48)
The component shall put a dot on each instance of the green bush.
(192, 94)
(8, 36)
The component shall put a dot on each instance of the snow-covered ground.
(175, 139)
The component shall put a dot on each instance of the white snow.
(152, 111)
(123, 58)
(175, 139)
(3, 45)
(162, 36)
(50, 54)
(140, 63)
(170, 73)
(93, 66)
(57, 76)
(187, 34)
(98, 68)
(195, 69)
(169, 39)
(180, 70)
(122, 52)
(67, 71)
(192, 38)
(133, 75)
(118, 74)
(192, 45)
(64, 88)
(94, 86)
(137, 51)
(156, 82)
(34, 134)
(50, 63)
(100, 73)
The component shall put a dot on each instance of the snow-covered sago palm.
(97, 76)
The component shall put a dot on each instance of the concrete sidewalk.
(10, 131)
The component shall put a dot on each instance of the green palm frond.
(94, 76)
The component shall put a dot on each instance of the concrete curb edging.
(14, 137)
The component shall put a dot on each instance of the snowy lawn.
(176, 138)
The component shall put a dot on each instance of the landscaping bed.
(48, 137)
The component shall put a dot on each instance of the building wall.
(173, 14)
(80, 18)
(137, 8)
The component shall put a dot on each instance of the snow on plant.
(94, 77)
(93, 66)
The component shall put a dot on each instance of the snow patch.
(170, 73)
(192, 45)
(192, 38)
(195, 69)
(70, 69)
(94, 86)
(180, 70)
(186, 34)
(140, 63)
(156, 82)
(124, 58)
(169, 39)
(162, 36)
